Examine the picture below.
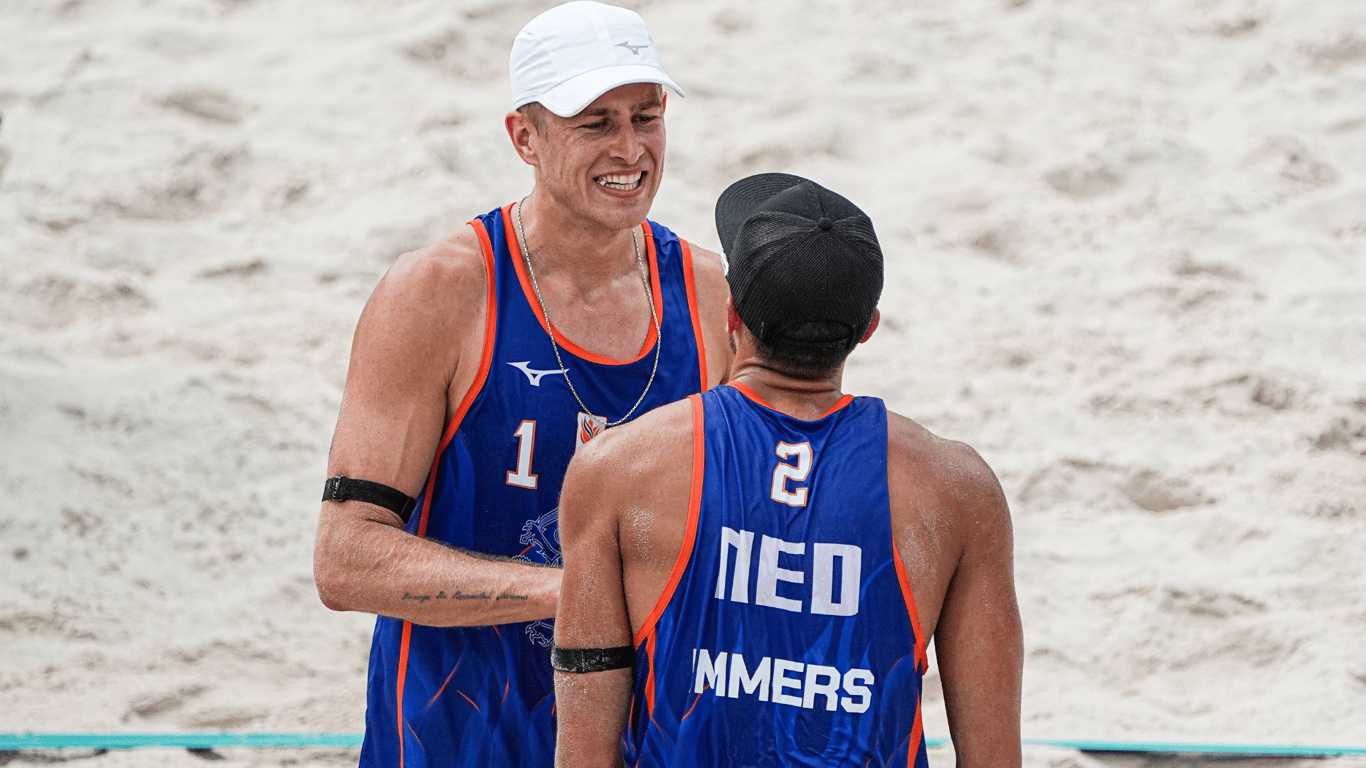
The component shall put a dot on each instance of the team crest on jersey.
(542, 534)
(590, 426)
(540, 632)
(541, 537)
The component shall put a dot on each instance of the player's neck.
(564, 246)
(806, 399)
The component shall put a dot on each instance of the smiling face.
(603, 165)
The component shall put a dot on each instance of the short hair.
(805, 350)
(535, 113)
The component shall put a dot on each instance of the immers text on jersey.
(832, 590)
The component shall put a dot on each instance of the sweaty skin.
(417, 348)
(623, 514)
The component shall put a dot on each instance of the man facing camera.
(752, 575)
(479, 366)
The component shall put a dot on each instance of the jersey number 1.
(797, 474)
(526, 440)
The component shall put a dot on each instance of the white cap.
(573, 53)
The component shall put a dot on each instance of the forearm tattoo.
(458, 595)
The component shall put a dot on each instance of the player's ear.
(877, 315)
(732, 317)
(520, 131)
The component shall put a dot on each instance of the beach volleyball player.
(479, 365)
(752, 575)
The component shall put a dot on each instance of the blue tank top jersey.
(787, 635)
(482, 696)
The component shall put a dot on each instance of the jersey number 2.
(797, 474)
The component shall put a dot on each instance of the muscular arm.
(953, 534)
(623, 516)
(591, 707)
(416, 352)
(979, 640)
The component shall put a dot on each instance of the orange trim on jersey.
(480, 378)
(843, 401)
(652, 255)
(752, 395)
(398, 686)
(921, 659)
(485, 362)
(650, 679)
(917, 733)
(699, 459)
(514, 248)
(690, 279)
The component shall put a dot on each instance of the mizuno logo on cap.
(632, 48)
(532, 374)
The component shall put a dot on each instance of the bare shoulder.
(707, 264)
(658, 439)
(712, 293)
(428, 309)
(415, 350)
(449, 271)
(630, 486)
(710, 277)
(640, 465)
(949, 514)
(941, 474)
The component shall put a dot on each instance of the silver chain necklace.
(649, 295)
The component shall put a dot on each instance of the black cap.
(797, 254)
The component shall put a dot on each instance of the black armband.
(346, 489)
(592, 659)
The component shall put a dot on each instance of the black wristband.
(592, 659)
(345, 489)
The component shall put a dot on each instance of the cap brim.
(575, 94)
(746, 197)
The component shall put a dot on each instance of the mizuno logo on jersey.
(635, 49)
(533, 375)
(590, 426)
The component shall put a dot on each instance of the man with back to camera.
(771, 557)
(479, 365)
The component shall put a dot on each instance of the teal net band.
(16, 741)
(23, 741)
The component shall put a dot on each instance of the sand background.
(1126, 261)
